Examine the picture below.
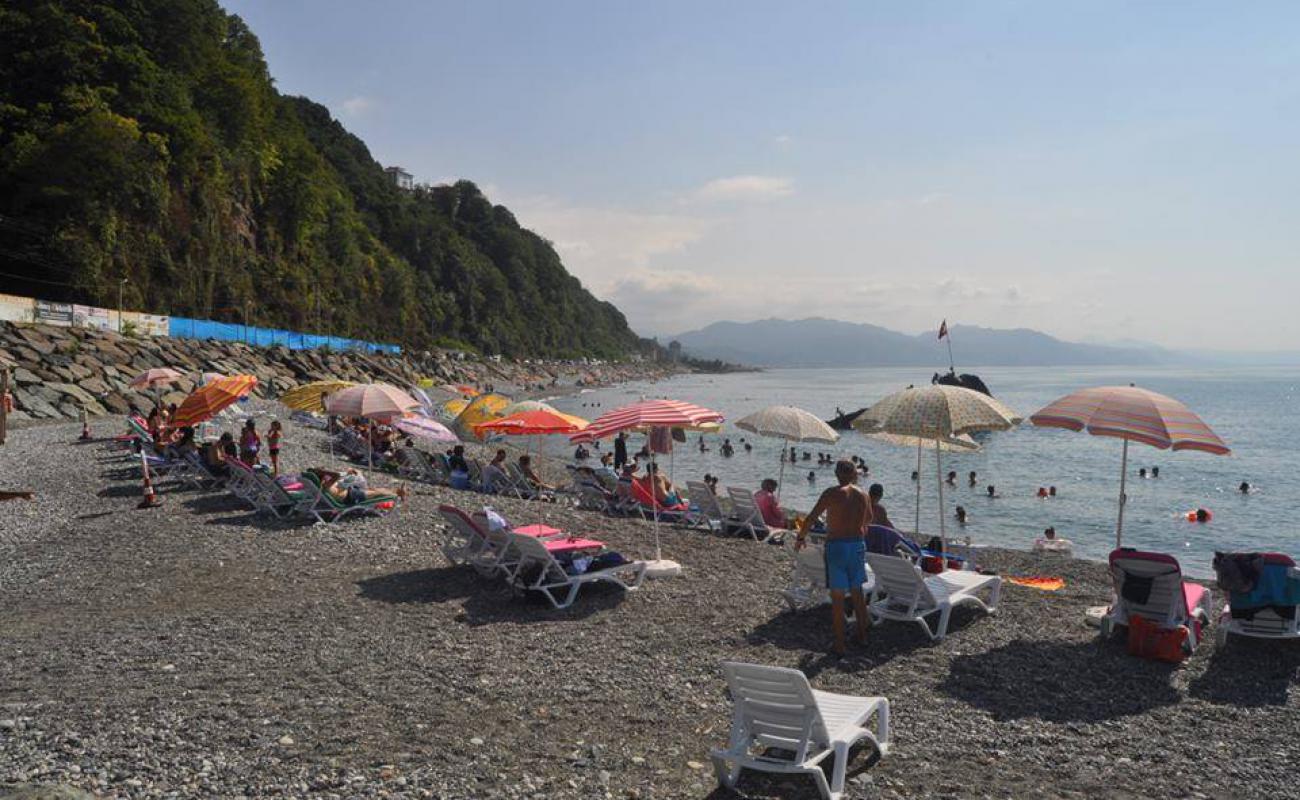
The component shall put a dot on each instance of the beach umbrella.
(209, 400)
(1131, 414)
(452, 408)
(947, 445)
(789, 424)
(936, 413)
(307, 396)
(647, 415)
(481, 409)
(537, 422)
(378, 401)
(154, 379)
(373, 401)
(460, 389)
(208, 377)
(421, 427)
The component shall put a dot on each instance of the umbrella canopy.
(452, 408)
(1132, 414)
(938, 414)
(208, 377)
(532, 423)
(155, 378)
(425, 428)
(948, 445)
(460, 389)
(209, 400)
(307, 397)
(377, 401)
(650, 414)
(479, 410)
(790, 423)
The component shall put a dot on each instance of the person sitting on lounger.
(878, 513)
(184, 445)
(653, 483)
(495, 476)
(215, 454)
(848, 513)
(765, 499)
(526, 467)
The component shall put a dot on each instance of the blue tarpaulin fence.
(267, 337)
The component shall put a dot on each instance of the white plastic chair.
(537, 570)
(777, 712)
(748, 517)
(807, 587)
(905, 594)
(1171, 602)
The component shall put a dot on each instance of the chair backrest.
(742, 501)
(809, 563)
(532, 550)
(463, 524)
(703, 497)
(902, 581)
(1165, 601)
(776, 706)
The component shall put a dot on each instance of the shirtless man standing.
(848, 512)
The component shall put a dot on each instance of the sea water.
(1252, 409)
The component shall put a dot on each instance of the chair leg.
(943, 622)
(819, 775)
(726, 771)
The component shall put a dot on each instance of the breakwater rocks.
(54, 372)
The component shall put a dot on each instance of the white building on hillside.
(400, 178)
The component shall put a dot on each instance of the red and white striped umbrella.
(1131, 414)
(646, 415)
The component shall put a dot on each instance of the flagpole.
(948, 338)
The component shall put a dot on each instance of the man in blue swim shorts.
(848, 513)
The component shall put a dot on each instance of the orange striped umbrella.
(208, 401)
(1131, 414)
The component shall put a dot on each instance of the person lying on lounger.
(351, 487)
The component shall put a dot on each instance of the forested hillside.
(145, 140)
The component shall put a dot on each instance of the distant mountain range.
(818, 342)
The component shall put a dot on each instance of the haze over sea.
(1251, 408)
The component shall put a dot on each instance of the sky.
(1100, 171)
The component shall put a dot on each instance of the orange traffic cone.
(150, 499)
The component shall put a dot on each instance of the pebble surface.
(199, 650)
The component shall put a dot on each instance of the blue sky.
(1096, 170)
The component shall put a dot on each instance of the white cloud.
(783, 138)
(743, 187)
(357, 105)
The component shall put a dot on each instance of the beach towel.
(1046, 583)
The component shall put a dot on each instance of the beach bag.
(932, 564)
(1147, 639)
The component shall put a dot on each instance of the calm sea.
(1253, 409)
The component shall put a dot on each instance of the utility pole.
(120, 287)
(245, 321)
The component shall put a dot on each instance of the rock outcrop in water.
(56, 371)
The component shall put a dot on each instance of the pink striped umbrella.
(645, 415)
(1131, 414)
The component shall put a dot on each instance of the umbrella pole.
(780, 481)
(1123, 498)
(938, 462)
(916, 529)
(654, 507)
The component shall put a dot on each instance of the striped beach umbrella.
(307, 396)
(648, 414)
(377, 401)
(209, 400)
(1132, 414)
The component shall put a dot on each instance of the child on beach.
(249, 443)
(273, 437)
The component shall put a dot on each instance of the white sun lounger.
(710, 513)
(1170, 601)
(808, 579)
(781, 724)
(537, 570)
(466, 543)
(905, 594)
(748, 518)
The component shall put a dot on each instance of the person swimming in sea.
(1244, 488)
(992, 491)
(962, 516)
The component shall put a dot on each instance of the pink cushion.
(569, 545)
(1193, 594)
(537, 530)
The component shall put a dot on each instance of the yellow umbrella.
(481, 409)
(307, 397)
(452, 408)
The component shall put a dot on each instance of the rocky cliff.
(57, 371)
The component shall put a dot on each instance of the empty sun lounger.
(781, 724)
(808, 578)
(1151, 585)
(905, 594)
(748, 518)
(539, 570)
(1271, 610)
